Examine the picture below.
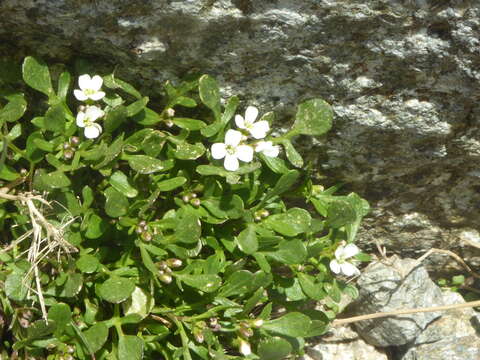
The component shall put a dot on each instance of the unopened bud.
(170, 112)
(257, 323)
(193, 195)
(195, 202)
(139, 229)
(142, 223)
(264, 213)
(257, 218)
(199, 337)
(167, 279)
(175, 263)
(68, 154)
(66, 145)
(146, 236)
(23, 171)
(246, 332)
(162, 265)
(185, 198)
(169, 123)
(81, 108)
(74, 140)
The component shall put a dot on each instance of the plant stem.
(404, 312)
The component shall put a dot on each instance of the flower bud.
(257, 323)
(81, 108)
(146, 236)
(264, 213)
(195, 202)
(170, 112)
(68, 154)
(246, 332)
(185, 198)
(175, 263)
(66, 145)
(167, 279)
(74, 140)
(142, 223)
(162, 265)
(257, 218)
(139, 230)
(23, 171)
(193, 195)
(199, 337)
(169, 123)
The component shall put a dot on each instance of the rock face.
(403, 78)
(452, 337)
(343, 343)
(395, 284)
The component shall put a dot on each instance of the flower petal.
(259, 129)
(218, 151)
(92, 131)
(97, 95)
(340, 252)
(350, 250)
(335, 266)
(80, 95)
(96, 83)
(251, 114)
(233, 137)
(94, 112)
(81, 119)
(244, 153)
(231, 162)
(349, 269)
(84, 81)
(239, 121)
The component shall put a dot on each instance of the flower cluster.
(234, 147)
(90, 91)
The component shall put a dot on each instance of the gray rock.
(342, 343)
(403, 78)
(454, 336)
(395, 284)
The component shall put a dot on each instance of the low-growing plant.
(174, 229)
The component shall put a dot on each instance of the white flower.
(245, 348)
(86, 119)
(232, 151)
(340, 263)
(257, 129)
(89, 88)
(267, 148)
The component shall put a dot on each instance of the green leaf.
(15, 288)
(189, 124)
(140, 303)
(184, 101)
(146, 164)
(134, 108)
(247, 240)
(96, 226)
(153, 143)
(110, 153)
(340, 212)
(116, 203)
(310, 288)
(51, 181)
(14, 109)
(147, 117)
(211, 170)
(60, 313)
(130, 348)
(8, 173)
(293, 324)
(96, 336)
(185, 151)
(72, 286)
(64, 81)
(170, 184)
(274, 348)
(240, 282)
(283, 184)
(34, 154)
(188, 228)
(292, 155)
(206, 282)
(115, 118)
(36, 75)
(295, 221)
(116, 289)
(314, 117)
(121, 183)
(275, 164)
(55, 118)
(87, 263)
(209, 93)
(290, 252)
(112, 82)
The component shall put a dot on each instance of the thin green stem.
(183, 337)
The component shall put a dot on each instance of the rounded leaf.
(314, 117)
(116, 289)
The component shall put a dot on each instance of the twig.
(451, 254)
(404, 312)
